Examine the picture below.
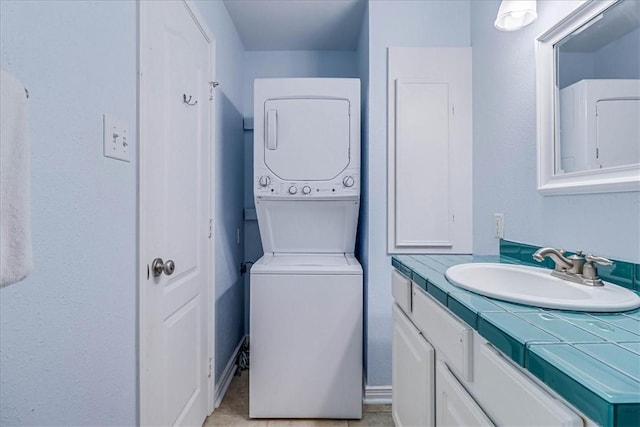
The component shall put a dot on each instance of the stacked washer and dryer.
(306, 291)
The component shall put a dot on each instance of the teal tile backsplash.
(621, 273)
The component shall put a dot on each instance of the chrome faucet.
(575, 268)
(557, 255)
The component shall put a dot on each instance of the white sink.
(537, 287)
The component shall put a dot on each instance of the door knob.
(158, 267)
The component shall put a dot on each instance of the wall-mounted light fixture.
(515, 14)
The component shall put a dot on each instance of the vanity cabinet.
(454, 406)
(413, 374)
(452, 376)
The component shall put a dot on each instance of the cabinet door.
(430, 150)
(454, 406)
(412, 375)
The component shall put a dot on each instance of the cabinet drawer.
(401, 291)
(509, 397)
(454, 406)
(451, 337)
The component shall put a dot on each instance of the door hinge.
(597, 153)
(212, 86)
(210, 368)
(210, 228)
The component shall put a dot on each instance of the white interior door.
(175, 205)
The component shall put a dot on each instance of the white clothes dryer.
(306, 291)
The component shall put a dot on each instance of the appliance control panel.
(267, 184)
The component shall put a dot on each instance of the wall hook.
(188, 101)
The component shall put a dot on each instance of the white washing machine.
(306, 291)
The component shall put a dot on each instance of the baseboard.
(227, 374)
(377, 395)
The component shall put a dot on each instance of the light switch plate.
(116, 139)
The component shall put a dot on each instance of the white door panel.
(175, 207)
(618, 132)
(429, 162)
(454, 406)
(412, 374)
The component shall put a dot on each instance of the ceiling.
(297, 24)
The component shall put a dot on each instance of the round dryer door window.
(306, 139)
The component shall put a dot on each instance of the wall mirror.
(588, 100)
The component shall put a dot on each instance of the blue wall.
(229, 177)
(407, 24)
(68, 350)
(504, 117)
(68, 332)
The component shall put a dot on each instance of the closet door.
(412, 374)
(430, 150)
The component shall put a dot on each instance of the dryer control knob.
(293, 189)
(306, 189)
(348, 181)
(264, 181)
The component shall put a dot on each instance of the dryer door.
(306, 139)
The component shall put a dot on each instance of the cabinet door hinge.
(210, 228)
(210, 363)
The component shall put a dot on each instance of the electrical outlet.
(115, 139)
(498, 223)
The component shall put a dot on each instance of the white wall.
(407, 24)
(505, 152)
(68, 332)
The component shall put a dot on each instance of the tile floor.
(234, 412)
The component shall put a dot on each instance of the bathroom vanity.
(465, 359)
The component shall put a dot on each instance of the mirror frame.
(618, 179)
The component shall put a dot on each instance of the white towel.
(16, 260)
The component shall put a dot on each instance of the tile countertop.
(590, 359)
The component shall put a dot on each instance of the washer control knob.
(264, 181)
(306, 189)
(348, 181)
(293, 189)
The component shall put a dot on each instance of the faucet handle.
(590, 272)
(598, 260)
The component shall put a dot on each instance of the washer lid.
(307, 264)
(306, 138)
(308, 226)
